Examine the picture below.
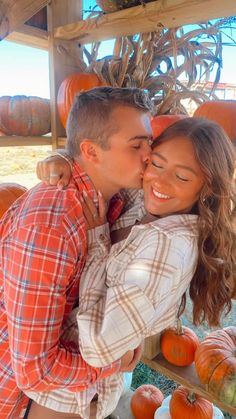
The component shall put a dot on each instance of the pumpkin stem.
(191, 397)
(179, 327)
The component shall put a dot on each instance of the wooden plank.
(30, 36)
(151, 346)
(14, 13)
(62, 56)
(61, 142)
(147, 18)
(187, 377)
(16, 140)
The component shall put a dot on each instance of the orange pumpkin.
(9, 192)
(24, 115)
(185, 405)
(70, 87)
(145, 400)
(221, 111)
(160, 122)
(215, 362)
(178, 345)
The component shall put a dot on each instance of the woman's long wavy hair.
(214, 282)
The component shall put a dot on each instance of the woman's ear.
(89, 151)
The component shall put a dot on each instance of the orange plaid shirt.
(43, 251)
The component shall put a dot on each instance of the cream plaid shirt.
(127, 292)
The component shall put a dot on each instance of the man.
(43, 247)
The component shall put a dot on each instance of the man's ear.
(89, 151)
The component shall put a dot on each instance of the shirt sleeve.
(38, 262)
(123, 316)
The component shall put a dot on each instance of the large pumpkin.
(9, 192)
(145, 401)
(221, 111)
(24, 115)
(160, 122)
(215, 361)
(185, 405)
(70, 87)
(178, 345)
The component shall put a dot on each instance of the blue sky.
(24, 70)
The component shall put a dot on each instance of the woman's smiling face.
(173, 179)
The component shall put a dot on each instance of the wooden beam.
(14, 13)
(62, 56)
(16, 140)
(30, 36)
(145, 18)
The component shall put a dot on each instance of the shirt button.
(102, 237)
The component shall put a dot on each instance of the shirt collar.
(83, 182)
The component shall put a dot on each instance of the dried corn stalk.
(169, 63)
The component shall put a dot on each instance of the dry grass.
(18, 164)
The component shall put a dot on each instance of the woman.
(187, 239)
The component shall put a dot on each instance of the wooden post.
(62, 55)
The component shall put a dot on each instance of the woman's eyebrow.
(181, 166)
(159, 155)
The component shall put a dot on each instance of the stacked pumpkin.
(9, 192)
(24, 115)
(70, 87)
(215, 363)
(148, 402)
(223, 112)
(214, 357)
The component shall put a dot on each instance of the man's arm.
(37, 264)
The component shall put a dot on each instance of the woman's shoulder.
(176, 225)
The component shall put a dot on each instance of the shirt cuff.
(99, 237)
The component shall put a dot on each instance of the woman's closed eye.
(182, 178)
(158, 165)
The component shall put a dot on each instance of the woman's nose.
(163, 177)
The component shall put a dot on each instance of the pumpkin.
(9, 192)
(178, 345)
(215, 362)
(145, 401)
(184, 405)
(70, 87)
(24, 115)
(221, 111)
(160, 122)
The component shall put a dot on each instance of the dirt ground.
(17, 164)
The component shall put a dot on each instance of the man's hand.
(54, 171)
(130, 359)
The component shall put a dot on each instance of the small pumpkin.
(215, 361)
(70, 87)
(178, 345)
(9, 192)
(221, 111)
(145, 401)
(160, 122)
(24, 115)
(184, 405)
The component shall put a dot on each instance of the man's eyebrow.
(181, 166)
(141, 137)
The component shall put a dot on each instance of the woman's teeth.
(160, 195)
